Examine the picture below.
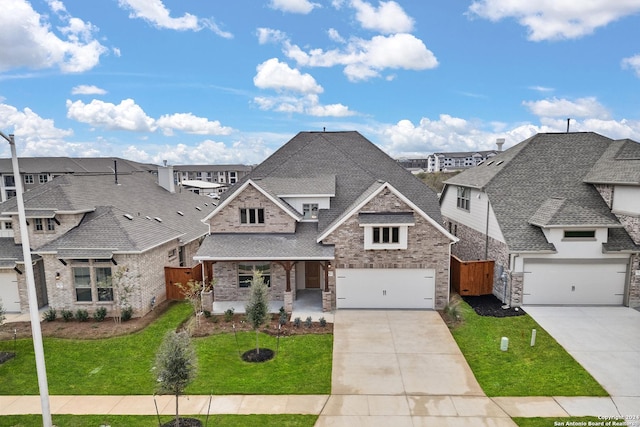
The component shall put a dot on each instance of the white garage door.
(576, 283)
(9, 292)
(385, 288)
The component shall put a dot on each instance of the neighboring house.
(35, 171)
(330, 212)
(89, 232)
(559, 213)
(452, 161)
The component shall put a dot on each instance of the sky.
(226, 82)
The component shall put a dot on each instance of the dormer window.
(386, 230)
(310, 211)
(579, 234)
(251, 216)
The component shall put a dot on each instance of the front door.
(312, 275)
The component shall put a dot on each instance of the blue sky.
(192, 81)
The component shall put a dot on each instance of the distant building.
(452, 161)
(221, 174)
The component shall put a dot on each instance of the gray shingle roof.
(76, 165)
(262, 246)
(619, 164)
(323, 184)
(562, 212)
(10, 253)
(545, 166)
(357, 164)
(105, 204)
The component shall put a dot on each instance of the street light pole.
(36, 331)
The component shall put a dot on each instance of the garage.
(574, 282)
(385, 288)
(9, 292)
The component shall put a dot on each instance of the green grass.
(559, 422)
(543, 370)
(123, 365)
(152, 421)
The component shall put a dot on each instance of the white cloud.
(556, 19)
(156, 13)
(335, 35)
(276, 75)
(555, 107)
(293, 6)
(125, 116)
(365, 59)
(633, 63)
(87, 90)
(542, 89)
(387, 18)
(269, 35)
(308, 104)
(26, 40)
(188, 123)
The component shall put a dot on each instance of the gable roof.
(356, 163)
(619, 164)
(560, 212)
(134, 215)
(75, 165)
(541, 168)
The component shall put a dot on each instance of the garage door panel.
(385, 288)
(574, 283)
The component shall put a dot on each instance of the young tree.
(192, 290)
(176, 364)
(122, 282)
(257, 307)
(2, 317)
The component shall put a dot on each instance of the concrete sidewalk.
(441, 407)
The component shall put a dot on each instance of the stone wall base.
(288, 302)
(326, 301)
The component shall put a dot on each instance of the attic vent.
(128, 216)
(158, 219)
(490, 163)
(180, 213)
(206, 204)
(148, 217)
(480, 162)
(198, 208)
(500, 162)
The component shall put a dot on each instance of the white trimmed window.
(251, 216)
(245, 273)
(310, 211)
(388, 236)
(464, 198)
(28, 179)
(92, 281)
(42, 178)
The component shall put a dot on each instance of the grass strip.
(545, 369)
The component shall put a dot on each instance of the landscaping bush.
(100, 314)
(50, 315)
(297, 322)
(308, 322)
(323, 322)
(283, 317)
(127, 313)
(82, 315)
(228, 314)
(67, 315)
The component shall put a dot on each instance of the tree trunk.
(257, 345)
(177, 416)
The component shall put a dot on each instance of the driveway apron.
(605, 341)
(402, 368)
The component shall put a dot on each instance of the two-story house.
(90, 232)
(331, 213)
(560, 215)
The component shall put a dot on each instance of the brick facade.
(228, 289)
(39, 238)
(275, 219)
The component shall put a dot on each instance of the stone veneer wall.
(227, 289)
(275, 219)
(144, 271)
(427, 247)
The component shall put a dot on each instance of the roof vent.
(180, 213)
(148, 217)
(500, 162)
(158, 219)
(198, 208)
(490, 163)
(128, 216)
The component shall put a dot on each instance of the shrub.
(100, 314)
(297, 322)
(308, 322)
(67, 315)
(283, 317)
(206, 313)
(323, 322)
(127, 313)
(50, 315)
(228, 314)
(2, 316)
(82, 315)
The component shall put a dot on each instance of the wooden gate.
(173, 275)
(472, 278)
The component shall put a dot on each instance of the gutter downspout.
(486, 232)
(512, 266)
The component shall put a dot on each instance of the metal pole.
(36, 332)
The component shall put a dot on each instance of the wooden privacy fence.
(472, 278)
(173, 275)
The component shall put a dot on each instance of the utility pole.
(36, 331)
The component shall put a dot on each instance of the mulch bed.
(254, 356)
(6, 355)
(184, 422)
(490, 305)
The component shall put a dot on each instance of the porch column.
(288, 295)
(326, 293)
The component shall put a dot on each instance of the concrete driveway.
(402, 368)
(605, 341)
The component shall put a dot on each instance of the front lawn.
(123, 365)
(152, 421)
(543, 370)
